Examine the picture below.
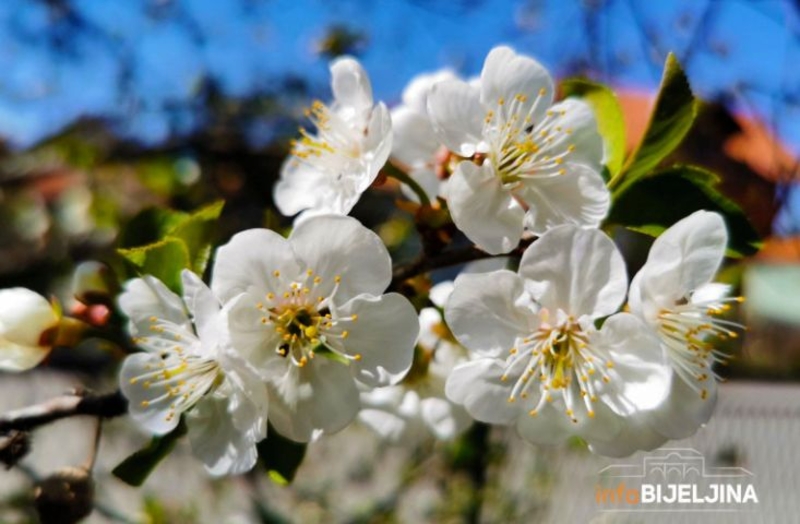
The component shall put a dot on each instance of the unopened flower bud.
(93, 283)
(29, 325)
(65, 497)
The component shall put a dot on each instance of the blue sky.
(247, 45)
(131, 59)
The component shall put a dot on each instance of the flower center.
(687, 331)
(553, 361)
(302, 318)
(521, 149)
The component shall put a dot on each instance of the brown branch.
(103, 406)
(453, 257)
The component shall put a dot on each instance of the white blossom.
(528, 165)
(674, 294)
(28, 328)
(309, 314)
(417, 408)
(538, 362)
(327, 171)
(415, 144)
(188, 368)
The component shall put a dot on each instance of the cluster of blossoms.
(299, 333)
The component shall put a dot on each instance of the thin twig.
(446, 259)
(104, 406)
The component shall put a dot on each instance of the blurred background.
(110, 108)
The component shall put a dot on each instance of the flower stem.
(392, 171)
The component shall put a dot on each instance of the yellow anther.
(357, 357)
(354, 317)
(145, 403)
(311, 331)
(337, 279)
(345, 334)
(270, 296)
(533, 412)
(309, 272)
(276, 273)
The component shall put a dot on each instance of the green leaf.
(281, 457)
(135, 469)
(164, 260)
(197, 232)
(162, 242)
(672, 117)
(654, 203)
(608, 112)
(150, 225)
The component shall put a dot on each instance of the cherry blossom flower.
(528, 165)
(309, 313)
(418, 408)
(674, 294)
(539, 363)
(415, 143)
(327, 171)
(189, 369)
(28, 328)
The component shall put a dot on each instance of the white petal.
(415, 143)
(248, 398)
(477, 386)
(710, 293)
(549, 426)
(444, 419)
(14, 357)
(483, 209)
(350, 84)
(506, 74)
(579, 271)
(388, 425)
(153, 415)
(204, 308)
(457, 115)
(223, 449)
(684, 257)
(578, 197)
(326, 400)
(251, 339)
(384, 335)
(641, 377)
(684, 410)
(488, 311)
(440, 293)
(415, 95)
(302, 187)
(249, 260)
(377, 147)
(577, 117)
(340, 246)
(24, 316)
(636, 435)
(148, 297)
